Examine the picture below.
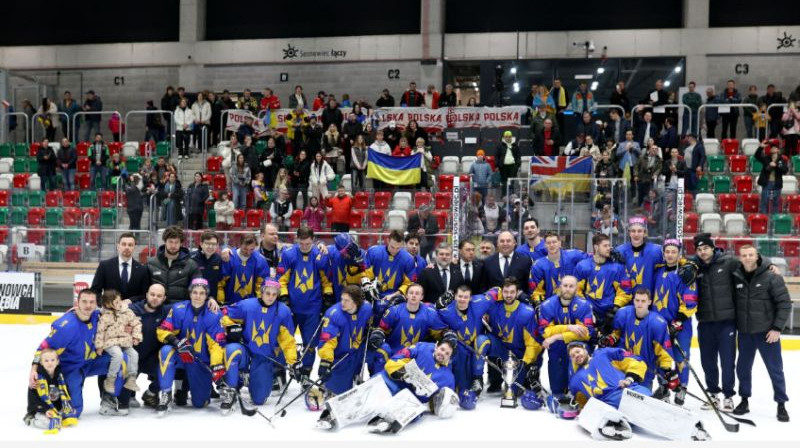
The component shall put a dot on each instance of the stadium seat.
(716, 164)
(6, 165)
(70, 198)
(53, 198)
(396, 220)
(238, 217)
(20, 165)
(107, 199)
(703, 185)
(402, 201)
(789, 247)
(254, 218)
(52, 217)
(114, 148)
(758, 223)
(208, 179)
(727, 203)
(214, 164)
(705, 203)
(82, 181)
(19, 199)
(491, 161)
(711, 223)
(375, 219)
(791, 201)
(444, 200)
(750, 146)
(72, 216)
(734, 224)
(34, 182)
(296, 219)
(796, 164)
(467, 161)
(55, 253)
(21, 181)
(4, 195)
(88, 198)
(34, 149)
(90, 216)
(133, 163)
(130, 149)
(19, 216)
(730, 146)
(737, 164)
(3, 217)
(743, 183)
(755, 166)
(712, 146)
(82, 149)
(739, 242)
(690, 222)
(789, 185)
(445, 182)
(441, 218)
(347, 181)
(220, 182)
(361, 200)
(36, 198)
(722, 184)
(356, 219)
(83, 165)
(162, 149)
(35, 216)
(108, 218)
(422, 198)
(450, 165)
(464, 179)
(767, 246)
(73, 254)
(749, 202)
(21, 150)
(382, 199)
(6, 181)
(782, 224)
(688, 202)
(6, 149)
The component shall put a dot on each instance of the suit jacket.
(431, 228)
(477, 276)
(641, 138)
(107, 277)
(610, 130)
(520, 268)
(431, 281)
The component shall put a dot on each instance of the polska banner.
(436, 120)
(17, 291)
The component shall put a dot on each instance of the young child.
(49, 404)
(259, 191)
(113, 338)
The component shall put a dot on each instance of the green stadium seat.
(88, 198)
(72, 238)
(18, 199)
(261, 146)
(716, 164)
(33, 165)
(52, 216)
(36, 198)
(782, 224)
(19, 216)
(108, 217)
(702, 185)
(722, 184)
(20, 164)
(55, 237)
(55, 253)
(133, 164)
(767, 247)
(796, 164)
(3, 216)
(6, 150)
(162, 149)
(21, 150)
(212, 218)
(755, 165)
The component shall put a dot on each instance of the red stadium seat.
(690, 221)
(737, 163)
(688, 245)
(53, 198)
(375, 219)
(107, 199)
(688, 202)
(70, 198)
(441, 218)
(254, 218)
(208, 179)
(214, 164)
(361, 200)
(356, 219)
(33, 149)
(238, 217)
(83, 149)
(92, 237)
(445, 182)
(83, 181)
(790, 247)
(464, 180)
(3, 235)
(21, 180)
(382, 199)
(490, 160)
(35, 216)
(727, 202)
(90, 216)
(296, 219)
(421, 198)
(758, 223)
(72, 217)
(4, 194)
(744, 183)
(730, 146)
(220, 183)
(723, 244)
(36, 236)
(444, 200)
(749, 202)
(73, 254)
(792, 203)
(114, 148)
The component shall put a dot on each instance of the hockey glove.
(672, 379)
(688, 272)
(397, 299)
(297, 371)
(608, 341)
(233, 334)
(676, 326)
(217, 374)
(524, 299)
(616, 257)
(376, 339)
(398, 374)
(185, 351)
(328, 300)
(450, 337)
(444, 300)
(324, 370)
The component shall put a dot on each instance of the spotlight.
(667, 83)
(678, 69)
(594, 85)
(513, 70)
(516, 87)
(601, 70)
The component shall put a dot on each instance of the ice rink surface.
(487, 423)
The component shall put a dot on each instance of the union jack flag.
(543, 167)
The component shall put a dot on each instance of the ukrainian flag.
(394, 170)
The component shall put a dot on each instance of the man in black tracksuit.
(763, 307)
(208, 261)
(151, 312)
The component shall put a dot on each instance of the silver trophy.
(509, 398)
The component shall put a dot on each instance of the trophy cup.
(509, 398)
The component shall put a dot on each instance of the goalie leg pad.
(422, 384)
(603, 422)
(401, 410)
(360, 403)
(666, 420)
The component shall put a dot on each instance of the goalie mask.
(315, 399)
(445, 403)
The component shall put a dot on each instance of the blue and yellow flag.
(394, 170)
(561, 174)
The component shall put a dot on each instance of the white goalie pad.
(661, 418)
(360, 403)
(423, 385)
(402, 409)
(604, 422)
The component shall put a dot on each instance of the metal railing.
(784, 106)
(101, 113)
(678, 123)
(718, 106)
(40, 114)
(17, 114)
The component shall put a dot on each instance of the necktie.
(505, 266)
(124, 276)
(467, 275)
(444, 279)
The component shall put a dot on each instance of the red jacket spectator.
(341, 208)
(400, 151)
(319, 103)
(271, 102)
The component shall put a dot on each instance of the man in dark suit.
(473, 272)
(616, 126)
(507, 263)
(444, 276)
(424, 225)
(123, 273)
(646, 130)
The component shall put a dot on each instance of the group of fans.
(211, 322)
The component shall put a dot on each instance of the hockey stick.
(246, 411)
(730, 427)
(726, 413)
(364, 357)
(282, 411)
(302, 355)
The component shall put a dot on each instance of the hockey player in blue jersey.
(513, 333)
(603, 282)
(265, 338)
(534, 245)
(604, 374)
(393, 268)
(403, 325)
(344, 335)
(243, 273)
(677, 303)
(464, 315)
(72, 337)
(641, 258)
(306, 289)
(644, 333)
(412, 246)
(345, 263)
(563, 318)
(191, 335)
(547, 272)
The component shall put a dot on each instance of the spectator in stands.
(48, 118)
(281, 210)
(547, 140)
(562, 99)
(448, 98)
(653, 209)
(116, 169)
(251, 156)
(607, 224)
(424, 225)
(791, 128)
(481, 173)
(605, 167)
(647, 167)
(282, 180)
(116, 126)
(774, 167)
(540, 115)
(67, 159)
(260, 197)
(153, 124)
(671, 109)
(298, 98)
(201, 116)
(171, 194)
(300, 177)
(246, 129)
(628, 153)
(208, 261)
(332, 148)
(351, 129)
(320, 174)
(674, 168)
(392, 135)
(236, 148)
(183, 128)
(508, 157)
(747, 114)
(402, 149)
(269, 101)
(169, 102)
(543, 98)
(358, 157)
(729, 119)
(46, 170)
(431, 97)
(224, 210)
(346, 100)
(182, 95)
(616, 126)
(712, 113)
(332, 116)
(695, 157)
(314, 214)
(426, 163)
(412, 97)
(576, 146)
(592, 149)
(319, 101)
(669, 135)
(619, 97)
(770, 98)
(341, 206)
(70, 107)
(98, 154)
(385, 100)
(270, 163)
(582, 101)
(646, 129)
(761, 121)
(240, 180)
(693, 101)
(474, 223)
(472, 102)
(361, 117)
(196, 197)
(248, 102)
(379, 145)
(589, 127)
(369, 132)
(29, 110)
(657, 97)
(216, 119)
(312, 134)
(92, 104)
(413, 132)
(492, 216)
(135, 207)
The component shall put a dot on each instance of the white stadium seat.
(396, 220)
(130, 149)
(750, 146)
(789, 185)
(711, 223)
(6, 164)
(6, 181)
(705, 203)
(450, 165)
(34, 183)
(735, 224)
(402, 201)
(466, 163)
(712, 146)
(781, 264)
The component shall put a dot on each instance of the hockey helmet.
(531, 401)
(468, 399)
(342, 240)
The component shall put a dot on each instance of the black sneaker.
(742, 408)
(783, 416)
(150, 399)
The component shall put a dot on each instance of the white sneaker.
(727, 404)
(707, 406)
